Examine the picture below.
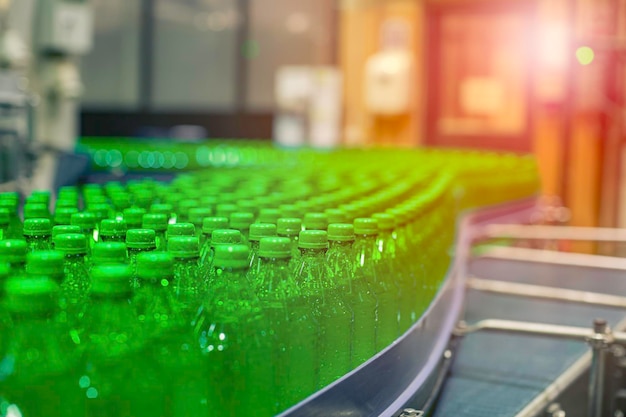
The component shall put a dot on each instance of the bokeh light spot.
(585, 55)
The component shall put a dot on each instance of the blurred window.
(110, 72)
(289, 32)
(195, 55)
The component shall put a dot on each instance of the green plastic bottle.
(158, 223)
(188, 287)
(133, 217)
(119, 378)
(275, 287)
(290, 227)
(219, 237)
(242, 222)
(38, 234)
(257, 232)
(11, 202)
(164, 208)
(268, 215)
(180, 229)
(209, 224)
(154, 298)
(112, 230)
(184, 207)
(87, 223)
(5, 223)
(13, 252)
(367, 258)
(225, 210)
(63, 215)
(197, 216)
(5, 319)
(336, 215)
(407, 273)
(43, 379)
(388, 267)
(109, 253)
(330, 312)
(63, 229)
(138, 241)
(170, 337)
(357, 292)
(76, 283)
(232, 336)
(49, 263)
(315, 221)
(36, 211)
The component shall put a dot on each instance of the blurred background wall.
(541, 76)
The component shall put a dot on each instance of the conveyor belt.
(499, 375)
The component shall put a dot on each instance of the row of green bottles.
(231, 290)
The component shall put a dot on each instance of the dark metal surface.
(499, 374)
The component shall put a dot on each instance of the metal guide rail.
(539, 322)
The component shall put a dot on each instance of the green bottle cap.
(351, 210)
(13, 250)
(110, 227)
(185, 205)
(63, 215)
(37, 227)
(386, 221)
(341, 232)
(225, 210)
(101, 211)
(4, 217)
(121, 200)
(84, 220)
(400, 215)
(40, 196)
(64, 229)
(183, 247)
(71, 243)
(47, 263)
(111, 280)
(108, 253)
(225, 237)
(156, 222)
(67, 202)
(275, 247)
(133, 216)
(315, 221)
(269, 215)
(241, 220)
(141, 239)
(260, 230)
(155, 266)
(231, 256)
(180, 229)
(31, 295)
(313, 239)
(162, 208)
(210, 201)
(210, 224)
(10, 205)
(365, 226)
(5, 269)
(198, 214)
(10, 196)
(336, 215)
(289, 211)
(288, 226)
(248, 206)
(36, 211)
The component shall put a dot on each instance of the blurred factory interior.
(541, 76)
